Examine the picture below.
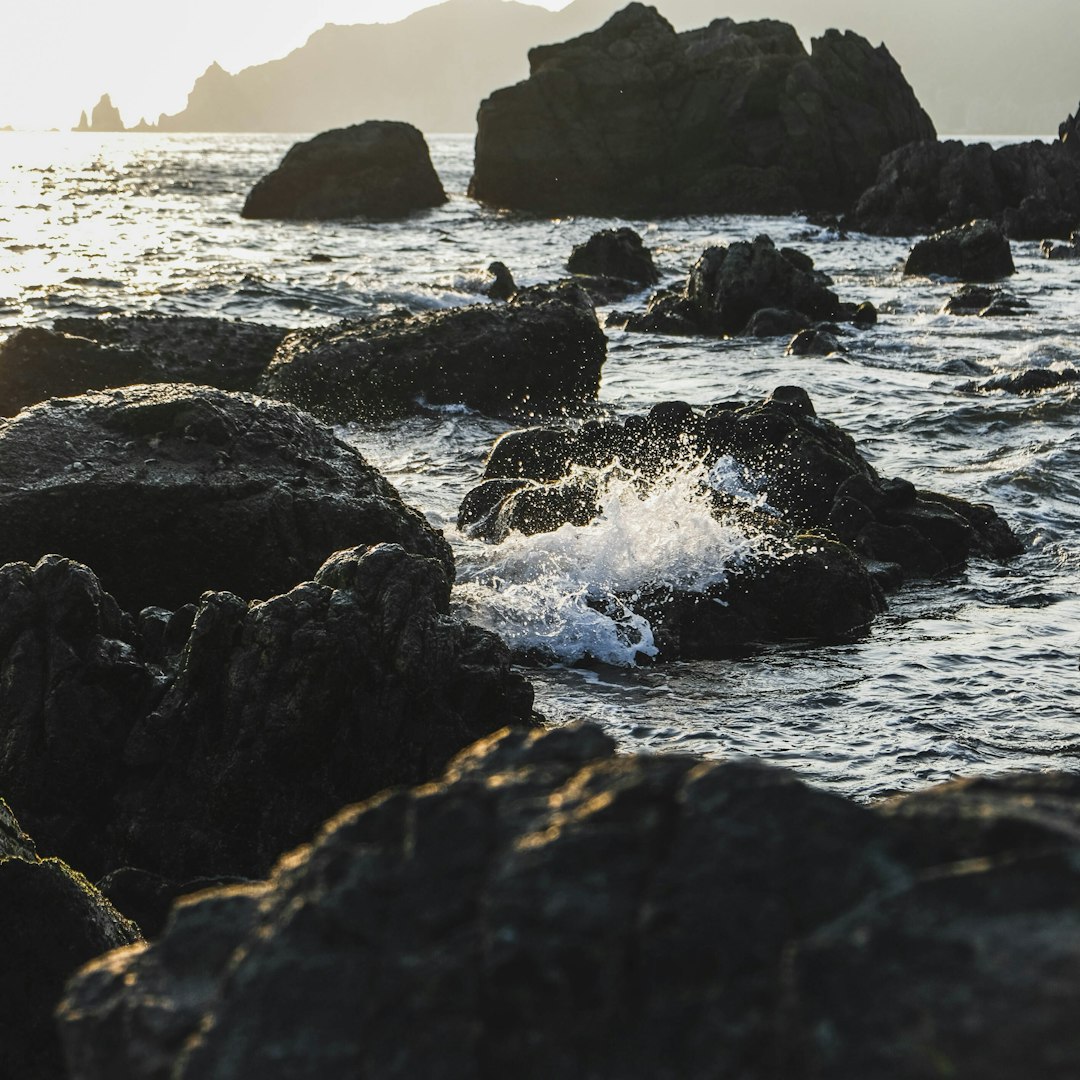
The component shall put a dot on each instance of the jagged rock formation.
(104, 117)
(636, 119)
(977, 251)
(541, 352)
(79, 354)
(552, 909)
(167, 491)
(54, 921)
(1031, 189)
(380, 168)
(209, 740)
(829, 509)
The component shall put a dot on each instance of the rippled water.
(978, 672)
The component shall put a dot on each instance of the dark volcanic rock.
(167, 491)
(813, 343)
(729, 286)
(92, 354)
(553, 909)
(634, 119)
(977, 251)
(380, 168)
(828, 504)
(542, 351)
(987, 301)
(54, 922)
(1032, 189)
(616, 253)
(272, 716)
(1031, 381)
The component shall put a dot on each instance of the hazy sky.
(60, 56)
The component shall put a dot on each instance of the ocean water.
(974, 673)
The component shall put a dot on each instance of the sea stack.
(635, 119)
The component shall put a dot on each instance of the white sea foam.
(571, 593)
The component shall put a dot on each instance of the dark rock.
(541, 352)
(550, 908)
(274, 715)
(79, 354)
(615, 253)
(813, 343)
(987, 301)
(545, 909)
(502, 286)
(776, 322)
(865, 315)
(1031, 189)
(167, 491)
(380, 168)
(636, 120)
(54, 922)
(977, 251)
(1031, 381)
(1071, 250)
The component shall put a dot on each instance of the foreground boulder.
(207, 741)
(978, 251)
(380, 168)
(167, 491)
(635, 120)
(552, 909)
(541, 351)
(79, 354)
(1031, 189)
(54, 921)
(810, 506)
(742, 287)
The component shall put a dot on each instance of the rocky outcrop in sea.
(635, 119)
(380, 168)
(550, 908)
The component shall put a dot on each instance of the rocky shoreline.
(271, 808)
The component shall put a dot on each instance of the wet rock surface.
(546, 910)
(987, 301)
(54, 922)
(380, 168)
(170, 490)
(79, 354)
(1031, 189)
(825, 506)
(634, 119)
(541, 351)
(212, 754)
(977, 251)
(614, 253)
(1030, 381)
(745, 287)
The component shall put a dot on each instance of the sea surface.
(972, 674)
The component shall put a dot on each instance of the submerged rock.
(814, 343)
(167, 491)
(548, 909)
(79, 354)
(214, 755)
(54, 921)
(380, 168)
(977, 251)
(987, 301)
(635, 120)
(1031, 381)
(743, 287)
(815, 505)
(1031, 189)
(542, 351)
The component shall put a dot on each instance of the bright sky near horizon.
(58, 57)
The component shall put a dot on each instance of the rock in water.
(634, 119)
(380, 168)
(54, 921)
(79, 354)
(541, 352)
(1031, 189)
(215, 754)
(978, 251)
(552, 909)
(614, 253)
(167, 491)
